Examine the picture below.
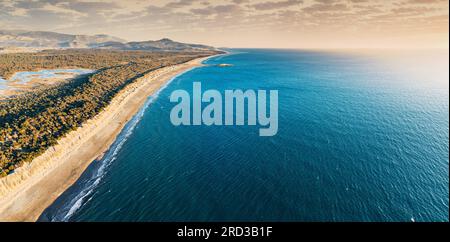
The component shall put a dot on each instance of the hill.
(39, 39)
(45, 39)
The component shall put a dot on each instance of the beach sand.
(25, 194)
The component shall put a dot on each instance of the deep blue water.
(362, 137)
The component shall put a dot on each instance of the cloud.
(359, 1)
(413, 10)
(240, 1)
(426, 1)
(218, 9)
(322, 7)
(91, 6)
(203, 11)
(180, 3)
(19, 12)
(276, 5)
(326, 1)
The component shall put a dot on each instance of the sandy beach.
(25, 194)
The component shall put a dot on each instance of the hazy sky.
(243, 23)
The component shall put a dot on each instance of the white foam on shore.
(88, 186)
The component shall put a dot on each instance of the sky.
(243, 23)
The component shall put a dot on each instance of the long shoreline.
(25, 194)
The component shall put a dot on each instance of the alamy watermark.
(262, 108)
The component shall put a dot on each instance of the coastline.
(25, 194)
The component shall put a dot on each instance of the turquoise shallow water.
(362, 137)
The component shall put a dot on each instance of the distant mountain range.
(154, 45)
(44, 39)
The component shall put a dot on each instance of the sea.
(363, 135)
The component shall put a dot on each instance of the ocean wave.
(87, 187)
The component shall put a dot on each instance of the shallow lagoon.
(25, 77)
